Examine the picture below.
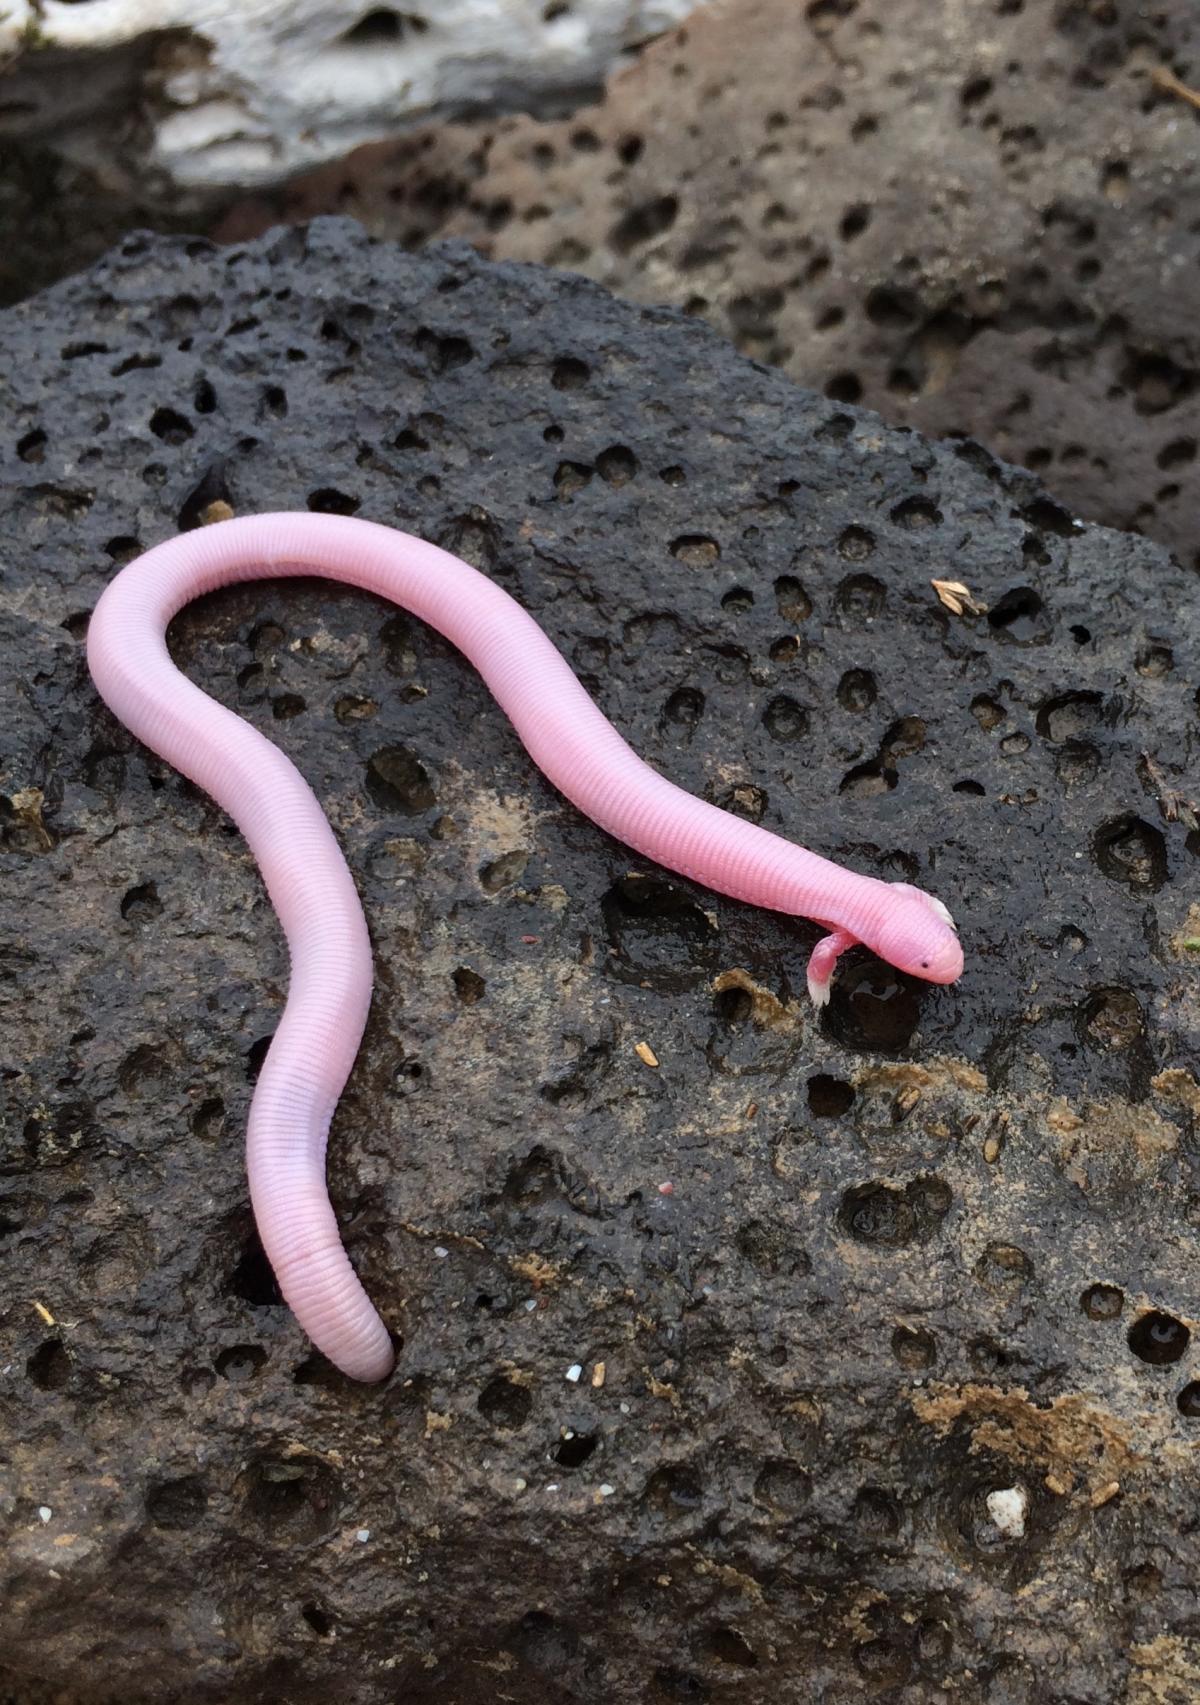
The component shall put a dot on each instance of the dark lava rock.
(938, 1245)
(982, 219)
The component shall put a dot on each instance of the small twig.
(1176, 807)
(1169, 83)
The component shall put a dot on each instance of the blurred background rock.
(978, 219)
(162, 109)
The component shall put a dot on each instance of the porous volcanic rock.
(977, 219)
(892, 1395)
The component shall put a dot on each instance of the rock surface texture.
(198, 96)
(977, 219)
(891, 1394)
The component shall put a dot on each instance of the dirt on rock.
(893, 1394)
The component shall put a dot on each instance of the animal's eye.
(924, 964)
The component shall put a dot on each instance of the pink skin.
(311, 888)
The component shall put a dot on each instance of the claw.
(818, 993)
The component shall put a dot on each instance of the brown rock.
(979, 220)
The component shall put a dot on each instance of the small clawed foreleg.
(825, 956)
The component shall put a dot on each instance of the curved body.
(311, 888)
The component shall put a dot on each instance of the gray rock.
(912, 1251)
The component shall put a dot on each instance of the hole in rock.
(49, 1367)
(505, 1403)
(887, 1217)
(1188, 1401)
(574, 1451)
(177, 1505)
(874, 1008)
(727, 1646)
(1158, 1339)
(241, 1363)
(253, 1279)
(1128, 849)
(318, 1620)
(290, 1499)
(829, 1097)
(382, 27)
(914, 1348)
(1017, 614)
(1102, 1302)
(783, 1487)
(398, 781)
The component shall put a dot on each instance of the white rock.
(1007, 1508)
(246, 94)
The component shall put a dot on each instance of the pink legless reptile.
(311, 888)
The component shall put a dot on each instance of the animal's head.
(916, 934)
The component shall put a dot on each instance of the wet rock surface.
(893, 1393)
(976, 219)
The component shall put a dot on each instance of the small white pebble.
(606, 1491)
(440, 1252)
(531, 1305)
(1007, 1509)
(363, 1534)
(45, 1512)
(520, 1484)
(575, 1372)
(625, 1409)
(553, 1487)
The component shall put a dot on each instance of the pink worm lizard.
(578, 749)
